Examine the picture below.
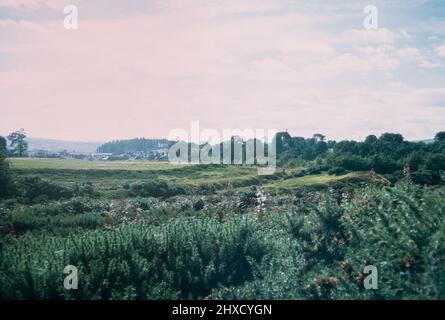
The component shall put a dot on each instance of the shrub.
(198, 205)
(383, 164)
(246, 200)
(34, 187)
(186, 258)
(321, 254)
(150, 188)
(395, 176)
(176, 190)
(426, 177)
(354, 163)
(85, 188)
(7, 185)
(338, 171)
(436, 162)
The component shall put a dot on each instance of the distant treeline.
(388, 154)
(385, 154)
(133, 145)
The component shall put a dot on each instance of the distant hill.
(427, 141)
(134, 146)
(53, 145)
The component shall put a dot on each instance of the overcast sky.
(142, 68)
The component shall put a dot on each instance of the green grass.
(310, 180)
(112, 172)
(109, 177)
(323, 178)
(75, 164)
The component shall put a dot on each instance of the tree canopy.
(18, 143)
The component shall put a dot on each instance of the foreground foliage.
(307, 245)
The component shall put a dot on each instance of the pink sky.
(260, 64)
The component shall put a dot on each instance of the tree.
(2, 148)
(18, 143)
(346, 146)
(440, 136)
(384, 164)
(391, 137)
(371, 139)
(415, 160)
(282, 141)
(6, 184)
(318, 137)
(331, 144)
(436, 162)
(321, 148)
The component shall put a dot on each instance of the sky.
(137, 68)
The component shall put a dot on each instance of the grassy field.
(75, 164)
(110, 176)
(108, 173)
(319, 179)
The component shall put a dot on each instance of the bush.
(395, 176)
(207, 188)
(426, 177)
(354, 163)
(322, 253)
(150, 188)
(436, 162)
(384, 165)
(35, 187)
(85, 189)
(155, 188)
(186, 258)
(338, 171)
(247, 200)
(198, 205)
(176, 190)
(7, 186)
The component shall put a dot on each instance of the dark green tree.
(2, 148)
(391, 137)
(415, 160)
(318, 137)
(282, 140)
(436, 162)
(440, 136)
(6, 184)
(371, 139)
(18, 142)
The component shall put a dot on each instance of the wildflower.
(259, 201)
(406, 169)
(229, 186)
(210, 189)
(345, 264)
(372, 174)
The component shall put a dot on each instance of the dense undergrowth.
(305, 245)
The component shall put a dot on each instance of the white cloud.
(33, 3)
(441, 51)
(369, 37)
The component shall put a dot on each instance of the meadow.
(153, 230)
(109, 175)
